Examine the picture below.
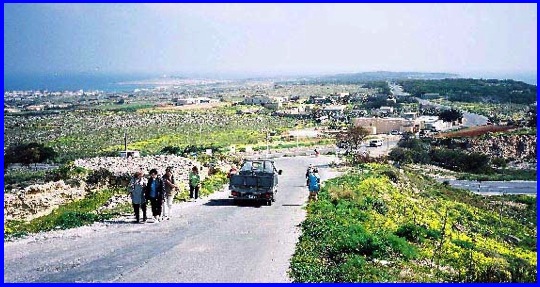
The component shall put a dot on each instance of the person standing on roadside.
(169, 189)
(314, 184)
(136, 189)
(194, 183)
(154, 193)
(308, 171)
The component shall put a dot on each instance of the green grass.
(209, 185)
(383, 225)
(79, 134)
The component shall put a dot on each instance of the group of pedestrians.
(159, 191)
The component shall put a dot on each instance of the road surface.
(210, 240)
(495, 187)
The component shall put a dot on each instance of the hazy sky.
(269, 38)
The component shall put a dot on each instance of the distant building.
(384, 125)
(432, 123)
(334, 110)
(319, 100)
(129, 153)
(35, 108)
(208, 101)
(273, 103)
(410, 115)
(385, 111)
(187, 101)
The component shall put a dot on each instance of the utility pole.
(267, 144)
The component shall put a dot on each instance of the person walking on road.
(154, 193)
(314, 184)
(194, 183)
(136, 189)
(169, 189)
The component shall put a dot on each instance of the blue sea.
(74, 82)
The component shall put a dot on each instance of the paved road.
(210, 240)
(496, 187)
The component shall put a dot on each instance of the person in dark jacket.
(154, 193)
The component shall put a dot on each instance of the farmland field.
(76, 134)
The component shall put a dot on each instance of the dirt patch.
(476, 131)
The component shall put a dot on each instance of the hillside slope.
(380, 224)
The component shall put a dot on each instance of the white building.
(129, 153)
(188, 101)
(432, 123)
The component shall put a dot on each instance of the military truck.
(257, 180)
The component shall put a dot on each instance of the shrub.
(376, 204)
(463, 244)
(412, 232)
(499, 162)
(171, 150)
(66, 172)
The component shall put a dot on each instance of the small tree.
(352, 138)
(28, 154)
(171, 150)
(450, 115)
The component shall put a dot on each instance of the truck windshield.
(258, 166)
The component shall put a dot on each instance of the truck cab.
(257, 180)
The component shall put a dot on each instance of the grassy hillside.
(79, 134)
(378, 224)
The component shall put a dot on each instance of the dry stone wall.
(513, 147)
(40, 199)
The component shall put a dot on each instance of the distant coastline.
(128, 83)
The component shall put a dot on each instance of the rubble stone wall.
(514, 147)
(40, 199)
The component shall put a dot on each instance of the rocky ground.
(514, 147)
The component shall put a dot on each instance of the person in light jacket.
(136, 189)
(194, 183)
(169, 189)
